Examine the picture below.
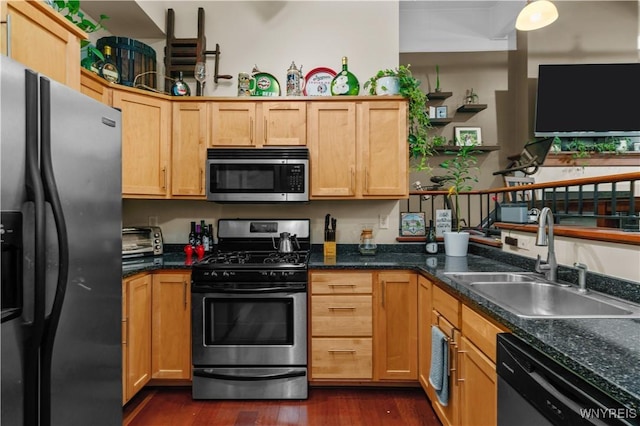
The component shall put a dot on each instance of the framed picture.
(521, 195)
(441, 111)
(412, 224)
(468, 136)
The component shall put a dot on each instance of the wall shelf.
(438, 95)
(440, 121)
(483, 148)
(472, 107)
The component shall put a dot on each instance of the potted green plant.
(420, 145)
(460, 172)
(70, 9)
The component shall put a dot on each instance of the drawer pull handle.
(342, 308)
(342, 351)
(341, 285)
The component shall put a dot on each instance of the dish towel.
(439, 372)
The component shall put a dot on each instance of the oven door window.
(248, 321)
(245, 177)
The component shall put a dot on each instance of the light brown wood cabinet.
(171, 326)
(42, 39)
(146, 130)
(358, 149)
(257, 123)
(396, 326)
(424, 331)
(189, 148)
(136, 338)
(95, 87)
(341, 325)
(472, 356)
(156, 329)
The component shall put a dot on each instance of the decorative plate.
(318, 82)
(266, 85)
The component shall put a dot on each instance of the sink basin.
(527, 296)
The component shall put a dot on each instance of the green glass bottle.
(345, 83)
(108, 69)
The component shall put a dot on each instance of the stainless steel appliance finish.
(61, 254)
(249, 314)
(269, 175)
(142, 241)
(534, 390)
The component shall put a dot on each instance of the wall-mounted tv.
(588, 100)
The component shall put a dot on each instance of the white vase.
(456, 243)
(387, 86)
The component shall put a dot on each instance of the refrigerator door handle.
(52, 197)
(35, 194)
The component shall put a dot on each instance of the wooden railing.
(601, 208)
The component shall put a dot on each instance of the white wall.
(616, 260)
(272, 34)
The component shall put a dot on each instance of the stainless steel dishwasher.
(535, 390)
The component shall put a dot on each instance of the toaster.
(141, 241)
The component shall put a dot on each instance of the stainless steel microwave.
(257, 175)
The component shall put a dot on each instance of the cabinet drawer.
(447, 305)
(480, 332)
(341, 316)
(341, 283)
(341, 358)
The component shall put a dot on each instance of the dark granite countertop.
(605, 352)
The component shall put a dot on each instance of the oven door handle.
(298, 289)
(210, 375)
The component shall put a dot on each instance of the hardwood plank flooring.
(173, 406)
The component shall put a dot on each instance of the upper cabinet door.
(146, 128)
(42, 39)
(189, 142)
(284, 123)
(384, 149)
(331, 131)
(233, 124)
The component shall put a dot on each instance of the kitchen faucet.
(550, 267)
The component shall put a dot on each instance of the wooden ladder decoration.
(181, 54)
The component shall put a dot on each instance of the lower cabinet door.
(478, 387)
(171, 330)
(341, 358)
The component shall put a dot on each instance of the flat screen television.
(588, 100)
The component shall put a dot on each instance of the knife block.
(329, 249)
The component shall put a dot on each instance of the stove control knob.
(225, 274)
(272, 274)
(214, 274)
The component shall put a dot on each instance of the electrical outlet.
(524, 243)
(511, 241)
(153, 220)
(383, 221)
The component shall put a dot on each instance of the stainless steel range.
(249, 315)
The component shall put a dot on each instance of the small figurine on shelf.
(471, 98)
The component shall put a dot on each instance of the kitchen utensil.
(285, 244)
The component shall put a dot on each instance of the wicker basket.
(132, 58)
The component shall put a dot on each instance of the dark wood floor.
(172, 406)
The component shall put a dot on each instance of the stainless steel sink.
(528, 296)
(492, 277)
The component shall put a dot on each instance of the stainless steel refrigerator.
(60, 158)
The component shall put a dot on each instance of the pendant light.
(536, 14)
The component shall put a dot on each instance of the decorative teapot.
(295, 80)
(285, 245)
